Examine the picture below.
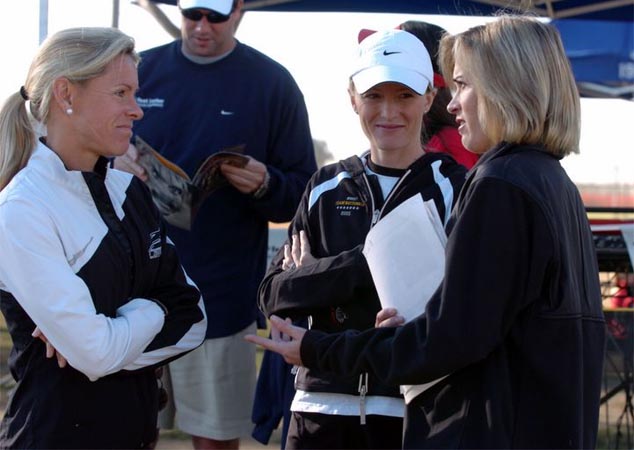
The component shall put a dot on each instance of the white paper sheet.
(405, 251)
(406, 256)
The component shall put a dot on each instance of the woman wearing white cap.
(322, 273)
(516, 328)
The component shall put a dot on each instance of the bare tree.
(322, 154)
(159, 16)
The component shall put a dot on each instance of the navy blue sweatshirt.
(193, 110)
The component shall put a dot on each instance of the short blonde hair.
(78, 54)
(525, 87)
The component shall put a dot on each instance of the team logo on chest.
(349, 205)
(155, 244)
(147, 103)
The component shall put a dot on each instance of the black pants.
(323, 431)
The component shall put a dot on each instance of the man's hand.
(285, 339)
(245, 179)
(127, 163)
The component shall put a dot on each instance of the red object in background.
(622, 300)
(448, 140)
(623, 297)
(607, 195)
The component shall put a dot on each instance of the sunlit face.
(464, 105)
(202, 38)
(391, 116)
(104, 109)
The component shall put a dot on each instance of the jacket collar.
(505, 148)
(48, 164)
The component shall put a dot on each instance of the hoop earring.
(69, 111)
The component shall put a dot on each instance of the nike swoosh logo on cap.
(386, 53)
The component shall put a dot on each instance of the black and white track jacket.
(338, 208)
(84, 257)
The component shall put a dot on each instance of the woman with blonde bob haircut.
(91, 288)
(512, 340)
(526, 90)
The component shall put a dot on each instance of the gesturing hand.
(286, 340)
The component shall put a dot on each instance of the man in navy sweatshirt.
(202, 94)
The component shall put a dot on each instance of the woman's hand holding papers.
(388, 317)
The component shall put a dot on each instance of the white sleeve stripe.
(326, 186)
(446, 189)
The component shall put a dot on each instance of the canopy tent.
(597, 34)
(613, 10)
(602, 56)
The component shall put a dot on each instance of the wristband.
(264, 187)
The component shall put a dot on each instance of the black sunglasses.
(212, 16)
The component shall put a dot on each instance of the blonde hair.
(526, 90)
(78, 54)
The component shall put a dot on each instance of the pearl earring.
(69, 111)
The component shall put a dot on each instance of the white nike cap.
(392, 55)
(220, 6)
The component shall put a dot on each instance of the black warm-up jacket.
(517, 324)
(340, 204)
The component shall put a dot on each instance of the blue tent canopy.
(601, 55)
(613, 10)
(597, 34)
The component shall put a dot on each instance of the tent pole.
(43, 20)
(115, 13)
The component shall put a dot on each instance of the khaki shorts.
(211, 389)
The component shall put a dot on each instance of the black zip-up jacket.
(517, 324)
(336, 211)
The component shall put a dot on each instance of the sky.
(316, 48)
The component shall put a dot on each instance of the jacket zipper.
(376, 215)
(363, 389)
(375, 212)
